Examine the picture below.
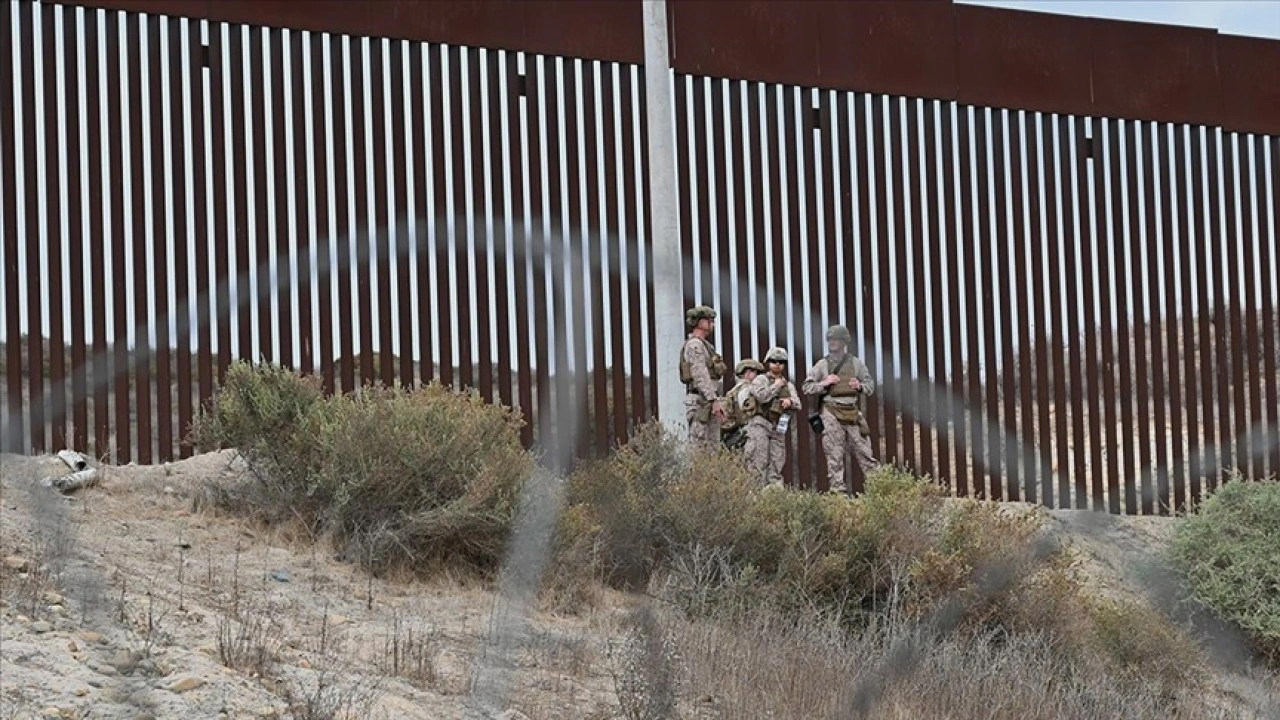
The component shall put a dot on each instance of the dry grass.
(249, 644)
(766, 666)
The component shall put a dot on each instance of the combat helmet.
(747, 364)
(776, 353)
(839, 332)
(699, 312)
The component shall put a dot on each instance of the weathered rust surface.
(1022, 59)
(929, 48)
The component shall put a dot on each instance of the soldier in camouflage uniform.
(842, 383)
(739, 405)
(700, 370)
(778, 403)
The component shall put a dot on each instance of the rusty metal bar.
(1223, 349)
(1235, 276)
(1249, 273)
(937, 198)
(1173, 187)
(898, 336)
(36, 422)
(77, 210)
(1107, 168)
(515, 94)
(53, 203)
(119, 244)
(159, 271)
(966, 368)
(1271, 297)
(1007, 480)
(917, 305)
(299, 50)
(15, 419)
(984, 385)
(321, 129)
(1057, 181)
(183, 242)
(379, 216)
(139, 354)
(1040, 160)
(495, 94)
(256, 341)
(281, 287)
(590, 312)
(95, 80)
(224, 53)
(1020, 412)
(363, 215)
(642, 407)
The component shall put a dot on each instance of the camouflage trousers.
(765, 451)
(703, 434)
(838, 441)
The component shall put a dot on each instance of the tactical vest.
(738, 414)
(772, 410)
(715, 364)
(842, 389)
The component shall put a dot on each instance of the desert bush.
(1227, 552)
(694, 525)
(422, 478)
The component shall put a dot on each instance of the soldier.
(700, 370)
(842, 383)
(739, 404)
(766, 450)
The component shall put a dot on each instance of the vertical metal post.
(664, 213)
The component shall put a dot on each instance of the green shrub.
(1229, 552)
(697, 526)
(419, 479)
(259, 410)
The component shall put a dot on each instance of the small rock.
(280, 576)
(304, 664)
(183, 684)
(51, 712)
(207, 649)
(107, 670)
(41, 626)
(168, 489)
(144, 716)
(16, 563)
(267, 712)
(57, 610)
(81, 692)
(73, 647)
(336, 620)
(90, 636)
(52, 598)
(23, 619)
(123, 661)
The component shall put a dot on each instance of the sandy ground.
(119, 601)
(114, 600)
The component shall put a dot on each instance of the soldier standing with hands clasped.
(700, 370)
(777, 401)
(842, 383)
